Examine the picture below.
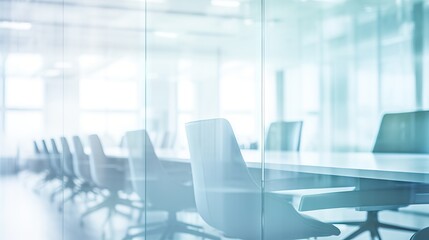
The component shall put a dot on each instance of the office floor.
(27, 215)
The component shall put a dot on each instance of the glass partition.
(213, 119)
(31, 109)
(341, 77)
(203, 104)
(104, 62)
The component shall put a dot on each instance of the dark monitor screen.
(403, 133)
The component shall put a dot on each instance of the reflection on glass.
(287, 78)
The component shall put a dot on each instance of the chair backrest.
(54, 147)
(284, 136)
(45, 151)
(167, 140)
(81, 161)
(97, 160)
(105, 171)
(36, 148)
(226, 195)
(68, 157)
(44, 147)
(148, 176)
(79, 150)
(55, 158)
(403, 133)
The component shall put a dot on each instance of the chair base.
(42, 183)
(110, 203)
(66, 183)
(168, 229)
(84, 188)
(372, 225)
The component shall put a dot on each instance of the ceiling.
(132, 27)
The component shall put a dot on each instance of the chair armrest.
(354, 199)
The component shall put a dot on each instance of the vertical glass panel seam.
(145, 112)
(63, 113)
(262, 115)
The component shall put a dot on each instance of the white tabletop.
(395, 167)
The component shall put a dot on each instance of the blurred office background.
(105, 67)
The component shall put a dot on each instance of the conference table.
(364, 171)
(377, 178)
(381, 166)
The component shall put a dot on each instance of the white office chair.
(39, 162)
(398, 133)
(110, 174)
(284, 136)
(57, 167)
(228, 198)
(68, 158)
(154, 185)
(68, 163)
(81, 162)
(51, 172)
(82, 169)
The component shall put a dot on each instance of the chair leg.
(372, 224)
(111, 202)
(395, 227)
(168, 229)
(378, 235)
(356, 233)
(375, 234)
(70, 198)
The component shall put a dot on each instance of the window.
(24, 93)
(22, 124)
(24, 97)
(239, 78)
(108, 96)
